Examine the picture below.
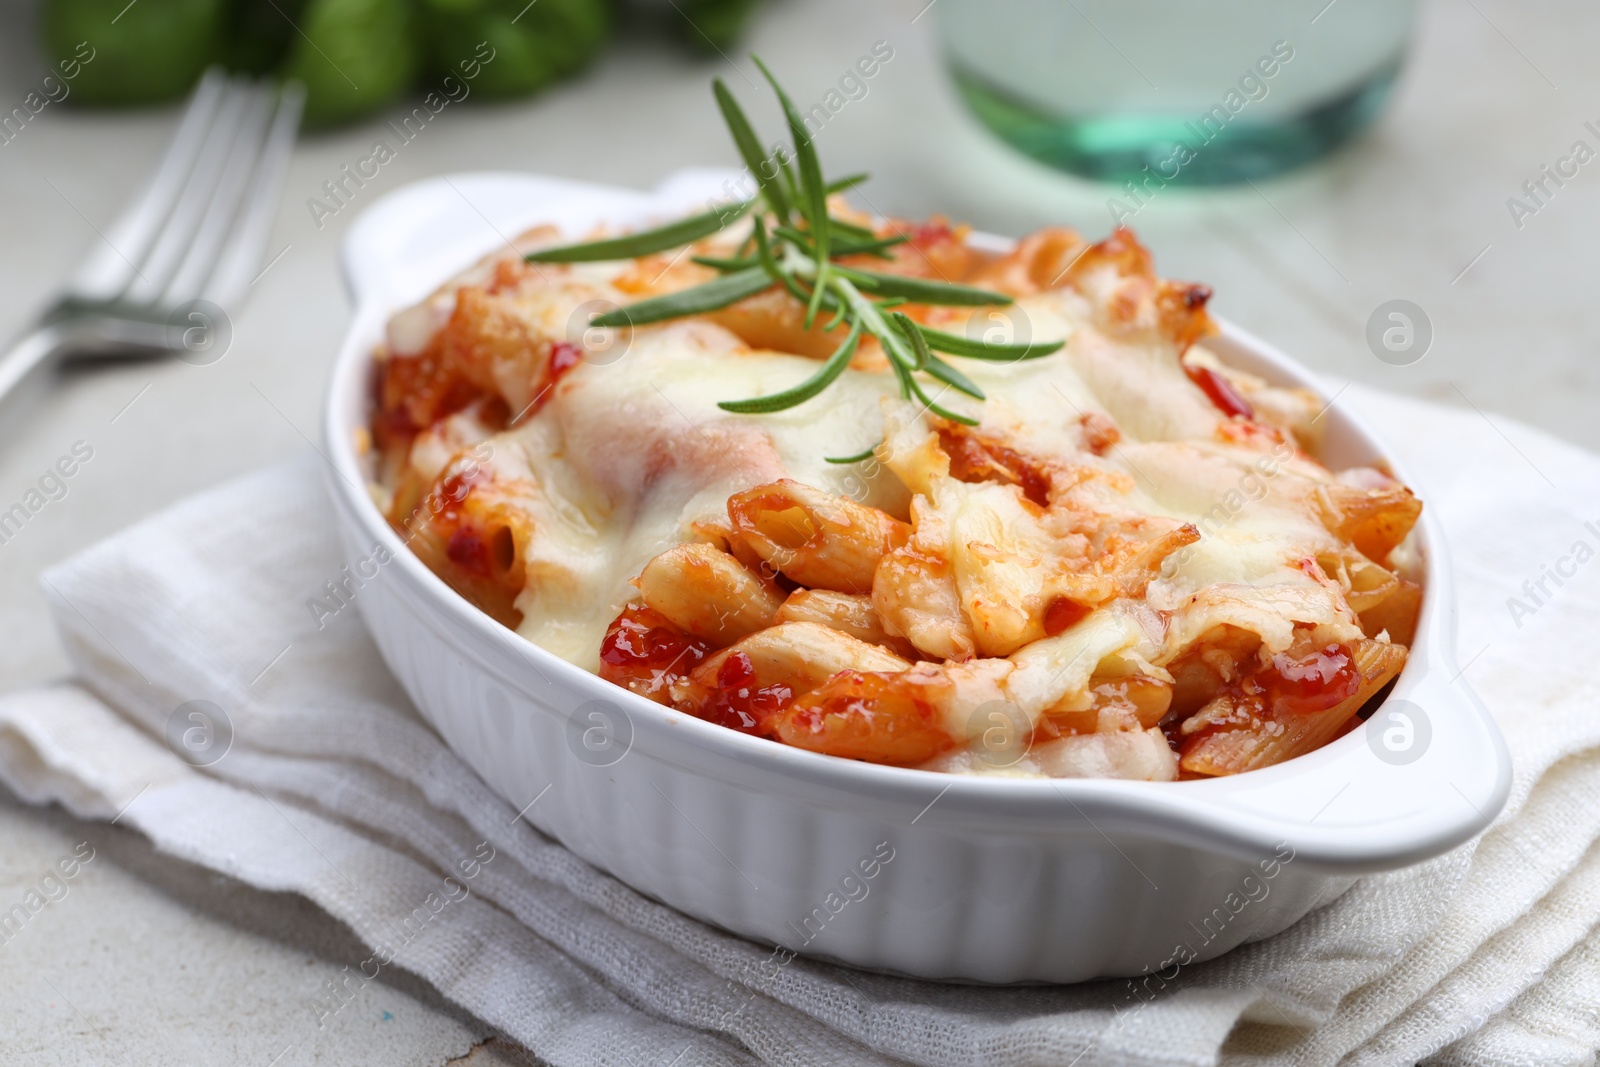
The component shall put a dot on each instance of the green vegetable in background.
(715, 24)
(533, 43)
(257, 33)
(148, 51)
(354, 56)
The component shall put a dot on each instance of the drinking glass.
(1197, 92)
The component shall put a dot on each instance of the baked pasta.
(1125, 562)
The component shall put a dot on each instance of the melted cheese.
(629, 453)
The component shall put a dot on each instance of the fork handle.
(23, 363)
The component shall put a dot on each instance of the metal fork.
(184, 249)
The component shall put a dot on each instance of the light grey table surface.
(150, 961)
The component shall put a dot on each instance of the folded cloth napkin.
(320, 778)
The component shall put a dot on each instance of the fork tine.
(206, 245)
(247, 243)
(108, 269)
(174, 240)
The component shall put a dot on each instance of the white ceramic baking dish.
(982, 879)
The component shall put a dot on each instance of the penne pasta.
(915, 595)
(473, 529)
(1133, 702)
(750, 685)
(1375, 520)
(1396, 614)
(707, 593)
(882, 718)
(849, 613)
(1288, 708)
(801, 656)
(818, 539)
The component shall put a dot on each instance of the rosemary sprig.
(922, 290)
(674, 235)
(877, 247)
(769, 263)
(839, 185)
(859, 457)
(807, 389)
(954, 345)
(725, 266)
(749, 146)
(813, 201)
(718, 293)
(796, 243)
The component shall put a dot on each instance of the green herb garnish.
(794, 243)
(675, 235)
(859, 457)
(717, 293)
(831, 369)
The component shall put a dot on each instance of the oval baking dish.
(934, 875)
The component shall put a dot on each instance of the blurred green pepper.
(532, 44)
(715, 25)
(354, 56)
(257, 33)
(143, 52)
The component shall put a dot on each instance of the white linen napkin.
(332, 786)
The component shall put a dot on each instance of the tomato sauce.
(1062, 613)
(469, 551)
(564, 355)
(739, 703)
(414, 392)
(646, 653)
(978, 459)
(1220, 391)
(871, 716)
(1287, 687)
(1309, 684)
(453, 491)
